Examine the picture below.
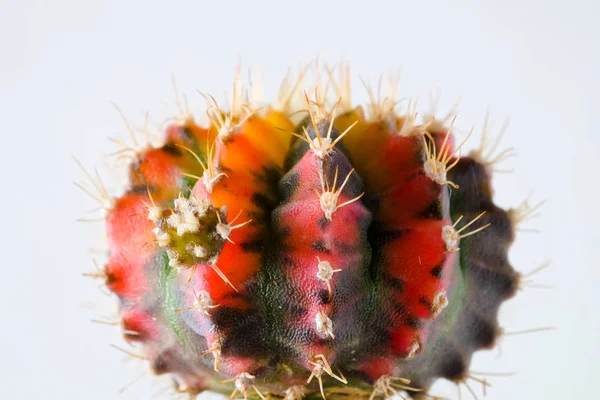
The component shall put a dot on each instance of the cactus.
(346, 252)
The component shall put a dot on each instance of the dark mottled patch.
(293, 179)
(239, 296)
(346, 249)
(379, 339)
(262, 201)
(289, 184)
(502, 227)
(305, 335)
(140, 189)
(323, 296)
(398, 307)
(297, 311)
(257, 217)
(110, 278)
(269, 175)
(252, 246)
(453, 367)
(320, 246)
(423, 300)
(159, 365)
(172, 149)
(282, 231)
(436, 271)
(186, 133)
(248, 339)
(484, 334)
(414, 322)
(384, 237)
(396, 283)
(226, 317)
(433, 211)
(414, 175)
(286, 260)
(474, 190)
(323, 222)
(500, 280)
(372, 203)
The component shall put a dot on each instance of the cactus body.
(340, 256)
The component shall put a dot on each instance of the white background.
(61, 62)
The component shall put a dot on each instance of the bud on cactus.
(349, 254)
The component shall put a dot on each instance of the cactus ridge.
(350, 254)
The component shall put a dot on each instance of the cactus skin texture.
(350, 254)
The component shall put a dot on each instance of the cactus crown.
(340, 253)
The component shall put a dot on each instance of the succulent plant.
(310, 248)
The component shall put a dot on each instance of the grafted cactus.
(348, 254)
